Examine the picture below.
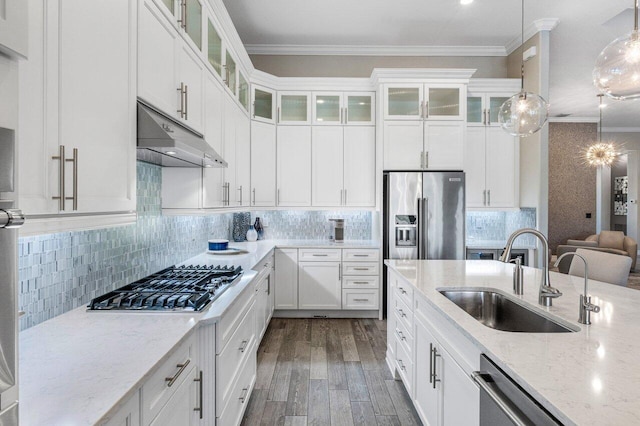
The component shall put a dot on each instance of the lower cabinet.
(286, 279)
(319, 285)
(128, 414)
(183, 407)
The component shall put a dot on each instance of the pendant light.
(524, 113)
(617, 71)
(601, 154)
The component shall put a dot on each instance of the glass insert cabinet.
(294, 108)
(424, 102)
(263, 104)
(347, 108)
(482, 108)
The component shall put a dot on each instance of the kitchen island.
(590, 376)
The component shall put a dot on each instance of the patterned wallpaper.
(60, 272)
(572, 184)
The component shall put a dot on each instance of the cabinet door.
(444, 145)
(403, 101)
(243, 158)
(14, 29)
(230, 72)
(359, 166)
(493, 102)
(293, 166)
(444, 102)
(327, 108)
(475, 109)
(263, 164)
(327, 166)
(243, 92)
(263, 103)
(426, 397)
(230, 195)
(319, 285)
(213, 178)
(192, 22)
(157, 41)
(294, 108)
(359, 109)
(190, 75)
(179, 410)
(214, 48)
(128, 414)
(502, 168)
(286, 279)
(97, 103)
(474, 167)
(460, 395)
(403, 145)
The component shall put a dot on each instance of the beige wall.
(362, 66)
(572, 184)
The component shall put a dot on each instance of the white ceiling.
(585, 27)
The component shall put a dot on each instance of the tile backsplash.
(60, 272)
(498, 225)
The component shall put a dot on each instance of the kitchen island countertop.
(587, 377)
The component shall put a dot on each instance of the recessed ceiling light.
(170, 152)
(466, 1)
(208, 165)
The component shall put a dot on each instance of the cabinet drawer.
(405, 366)
(404, 335)
(361, 255)
(267, 262)
(319, 255)
(228, 363)
(360, 299)
(232, 317)
(404, 292)
(369, 282)
(403, 313)
(360, 268)
(157, 390)
(240, 394)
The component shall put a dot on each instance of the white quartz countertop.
(78, 367)
(587, 377)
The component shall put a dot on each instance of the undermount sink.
(501, 312)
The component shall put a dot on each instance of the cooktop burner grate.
(182, 288)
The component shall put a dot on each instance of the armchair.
(607, 241)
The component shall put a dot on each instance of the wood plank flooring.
(326, 372)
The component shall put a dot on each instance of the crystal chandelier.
(524, 113)
(617, 70)
(601, 154)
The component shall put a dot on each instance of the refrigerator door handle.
(419, 227)
(424, 219)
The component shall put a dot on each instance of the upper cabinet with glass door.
(230, 73)
(263, 104)
(294, 108)
(187, 15)
(214, 48)
(482, 108)
(243, 92)
(424, 102)
(350, 108)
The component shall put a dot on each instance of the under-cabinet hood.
(164, 141)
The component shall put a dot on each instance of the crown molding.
(544, 24)
(457, 75)
(494, 84)
(572, 119)
(621, 130)
(351, 50)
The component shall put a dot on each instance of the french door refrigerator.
(10, 218)
(424, 215)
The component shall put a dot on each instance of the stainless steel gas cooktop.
(175, 289)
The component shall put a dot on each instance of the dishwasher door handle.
(514, 416)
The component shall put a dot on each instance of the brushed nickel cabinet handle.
(243, 345)
(186, 102)
(278, 197)
(345, 197)
(362, 300)
(61, 198)
(361, 282)
(431, 364)
(278, 116)
(340, 272)
(200, 407)
(484, 197)
(181, 367)
(346, 115)
(426, 109)
(401, 312)
(181, 90)
(426, 159)
(402, 367)
(183, 13)
(360, 269)
(240, 189)
(400, 333)
(254, 196)
(243, 395)
(320, 255)
(360, 255)
(489, 197)
(74, 160)
(254, 109)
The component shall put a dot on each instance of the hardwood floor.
(327, 372)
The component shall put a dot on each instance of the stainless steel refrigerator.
(424, 215)
(10, 219)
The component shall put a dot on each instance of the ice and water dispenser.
(406, 230)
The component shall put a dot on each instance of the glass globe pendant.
(617, 70)
(524, 113)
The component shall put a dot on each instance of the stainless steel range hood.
(163, 141)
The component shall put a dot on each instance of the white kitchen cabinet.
(190, 82)
(427, 397)
(128, 414)
(420, 144)
(348, 108)
(491, 164)
(293, 166)
(263, 102)
(85, 107)
(413, 101)
(286, 279)
(294, 108)
(213, 178)
(483, 108)
(214, 48)
(319, 285)
(230, 73)
(262, 306)
(243, 158)
(183, 406)
(263, 164)
(243, 91)
(14, 28)
(343, 166)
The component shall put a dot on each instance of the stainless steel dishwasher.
(503, 402)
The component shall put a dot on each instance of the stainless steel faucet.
(586, 307)
(546, 293)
